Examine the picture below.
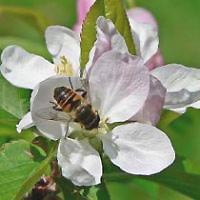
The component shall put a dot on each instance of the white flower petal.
(150, 113)
(182, 84)
(146, 39)
(51, 123)
(25, 123)
(183, 110)
(62, 41)
(79, 162)
(119, 85)
(138, 148)
(23, 69)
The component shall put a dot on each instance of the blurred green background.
(23, 22)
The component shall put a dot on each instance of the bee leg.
(55, 106)
(67, 130)
(70, 82)
(54, 103)
(82, 92)
(76, 120)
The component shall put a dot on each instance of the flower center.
(83, 133)
(64, 67)
(101, 130)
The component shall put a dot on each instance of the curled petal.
(119, 85)
(138, 148)
(79, 162)
(51, 123)
(146, 39)
(62, 41)
(24, 69)
(150, 113)
(182, 84)
(25, 123)
(108, 38)
(143, 16)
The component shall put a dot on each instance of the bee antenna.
(70, 82)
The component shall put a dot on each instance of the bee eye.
(58, 91)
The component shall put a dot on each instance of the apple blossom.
(64, 45)
(116, 92)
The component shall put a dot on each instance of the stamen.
(64, 67)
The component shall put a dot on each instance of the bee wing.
(49, 113)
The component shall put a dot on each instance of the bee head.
(58, 92)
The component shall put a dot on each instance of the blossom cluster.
(123, 89)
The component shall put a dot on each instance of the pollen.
(64, 67)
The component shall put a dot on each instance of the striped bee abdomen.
(69, 101)
(86, 116)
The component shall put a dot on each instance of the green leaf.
(97, 192)
(116, 12)
(135, 189)
(112, 10)
(173, 177)
(13, 99)
(167, 117)
(185, 137)
(63, 12)
(183, 182)
(36, 18)
(130, 4)
(8, 130)
(88, 35)
(21, 166)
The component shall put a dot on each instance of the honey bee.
(74, 103)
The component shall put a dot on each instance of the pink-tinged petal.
(182, 84)
(151, 111)
(108, 39)
(119, 86)
(139, 148)
(142, 15)
(62, 41)
(79, 162)
(24, 69)
(155, 61)
(51, 123)
(83, 7)
(25, 123)
(146, 39)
